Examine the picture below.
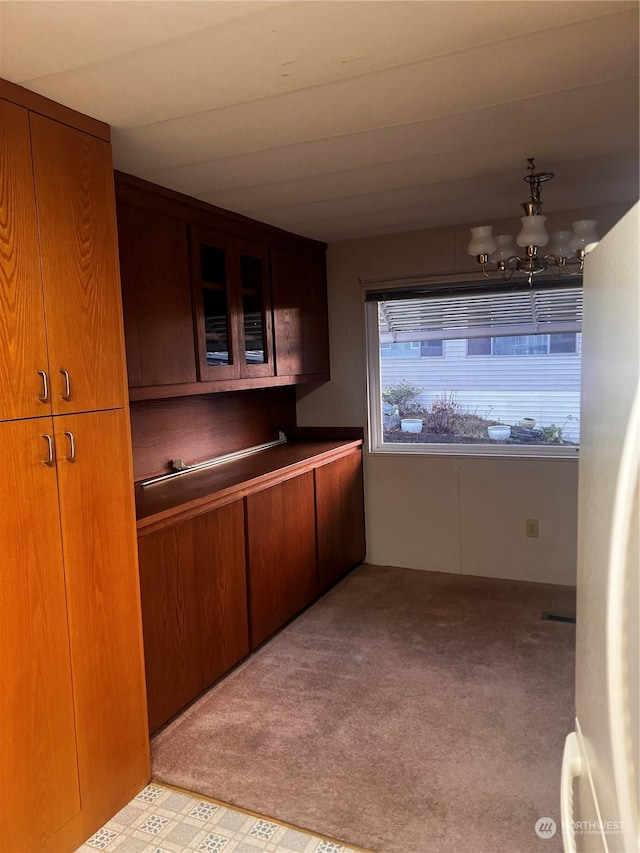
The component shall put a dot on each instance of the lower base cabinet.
(194, 606)
(39, 784)
(281, 545)
(219, 584)
(340, 518)
(73, 735)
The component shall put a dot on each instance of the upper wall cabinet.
(299, 291)
(76, 222)
(214, 301)
(68, 218)
(156, 297)
(231, 307)
(24, 362)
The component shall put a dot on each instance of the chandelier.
(567, 251)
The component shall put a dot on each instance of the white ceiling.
(347, 118)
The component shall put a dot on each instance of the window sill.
(570, 452)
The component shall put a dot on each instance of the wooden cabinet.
(59, 265)
(72, 722)
(281, 550)
(78, 245)
(73, 739)
(340, 518)
(257, 313)
(39, 784)
(24, 365)
(231, 307)
(97, 513)
(194, 596)
(228, 556)
(299, 293)
(156, 295)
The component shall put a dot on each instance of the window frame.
(375, 443)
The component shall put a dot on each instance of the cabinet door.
(39, 788)
(222, 589)
(76, 220)
(95, 483)
(301, 326)
(154, 268)
(340, 518)
(23, 352)
(216, 304)
(256, 341)
(281, 544)
(232, 308)
(194, 606)
(170, 601)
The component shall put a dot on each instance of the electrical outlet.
(532, 528)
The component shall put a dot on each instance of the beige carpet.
(406, 712)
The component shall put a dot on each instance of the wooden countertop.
(189, 495)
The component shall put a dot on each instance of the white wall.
(451, 514)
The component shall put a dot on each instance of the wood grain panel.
(198, 428)
(39, 788)
(188, 389)
(299, 295)
(76, 218)
(199, 491)
(194, 607)
(143, 193)
(65, 115)
(22, 336)
(281, 545)
(222, 580)
(170, 602)
(315, 320)
(128, 264)
(340, 518)
(154, 267)
(103, 596)
(287, 313)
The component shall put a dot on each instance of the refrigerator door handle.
(571, 769)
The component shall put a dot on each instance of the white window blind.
(438, 317)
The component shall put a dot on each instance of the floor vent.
(555, 617)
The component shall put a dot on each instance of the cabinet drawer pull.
(44, 397)
(67, 385)
(49, 459)
(72, 447)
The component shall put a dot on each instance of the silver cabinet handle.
(44, 397)
(49, 459)
(67, 385)
(72, 447)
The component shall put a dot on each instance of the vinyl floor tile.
(163, 820)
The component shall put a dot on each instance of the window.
(498, 371)
(523, 344)
(431, 349)
(406, 350)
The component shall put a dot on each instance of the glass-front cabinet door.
(256, 346)
(213, 305)
(231, 306)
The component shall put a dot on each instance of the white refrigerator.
(601, 767)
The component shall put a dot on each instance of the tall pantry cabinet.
(73, 733)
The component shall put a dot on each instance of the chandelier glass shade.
(567, 249)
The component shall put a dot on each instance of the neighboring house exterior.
(503, 379)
